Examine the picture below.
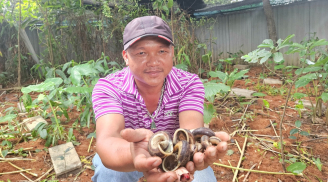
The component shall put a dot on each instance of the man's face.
(150, 60)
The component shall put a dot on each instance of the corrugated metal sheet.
(246, 30)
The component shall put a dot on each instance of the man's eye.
(141, 53)
(162, 51)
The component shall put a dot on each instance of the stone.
(0, 86)
(21, 107)
(240, 66)
(271, 81)
(307, 104)
(30, 123)
(65, 160)
(242, 93)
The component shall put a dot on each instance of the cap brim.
(127, 45)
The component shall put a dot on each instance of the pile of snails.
(178, 151)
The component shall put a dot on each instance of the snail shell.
(180, 156)
(183, 134)
(160, 144)
(199, 132)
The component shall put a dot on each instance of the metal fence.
(246, 30)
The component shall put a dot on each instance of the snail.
(178, 151)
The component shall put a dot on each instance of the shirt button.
(145, 116)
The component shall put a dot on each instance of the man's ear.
(125, 57)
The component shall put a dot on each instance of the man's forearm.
(115, 154)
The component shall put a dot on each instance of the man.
(149, 95)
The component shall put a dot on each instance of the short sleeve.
(106, 99)
(193, 96)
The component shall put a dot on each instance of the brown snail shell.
(180, 157)
(160, 144)
(199, 132)
(183, 134)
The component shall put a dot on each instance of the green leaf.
(298, 123)
(324, 97)
(299, 95)
(304, 133)
(304, 80)
(279, 67)
(229, 152)
(321, 62)
(292, 137)
(43, 133)
(266, 43)
(41, 97)
(293, 160)
(4, 153)
(39, 88)
(317, 163)
(218, 74)
(237, 75)
(266, 103)
(293, 131)
(211, 89)
(170, 4)
(278, 57)
(296, 168)
(79, 90)
(8, 117)
(259, 94)
(311, 69)
(92, 135)
(320, 42)
(208, 113)
(182, 66)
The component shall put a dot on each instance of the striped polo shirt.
(118, 93)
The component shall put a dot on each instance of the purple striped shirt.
(117, 93)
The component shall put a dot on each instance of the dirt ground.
(258, 120)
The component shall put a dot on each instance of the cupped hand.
(212, 153)
(142, 160)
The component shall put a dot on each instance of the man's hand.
(142, 160)
(203, 160)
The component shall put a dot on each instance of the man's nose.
(153, 60)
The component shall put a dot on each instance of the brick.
(30, 123)
(21, 107)
(271, 81)
(240, 66)
(307, 104)
(65, 160)
(242, 93)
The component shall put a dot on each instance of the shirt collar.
(172, 82)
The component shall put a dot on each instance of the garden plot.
(253, 124)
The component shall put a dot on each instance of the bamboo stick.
(256, 171)
(33, 174)
(26, 177)
(13, 172)
(44, 174)
(240, 159)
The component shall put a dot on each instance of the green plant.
(297, 131)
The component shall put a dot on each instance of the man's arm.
(191, 119)
(112, 149)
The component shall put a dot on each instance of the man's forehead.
(144, 40)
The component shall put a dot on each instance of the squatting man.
(147, 96)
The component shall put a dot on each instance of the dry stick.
(233, 171)
(240, 159)
(30, 148)
(258, 167)
(13, 172)
(273, 128)
(33, 174)
(44, 174)
(280, 125)
(78, 174)
(90, 144)
(256, 171)
(16, 159)
(238, 146)
(26, 177)
(248, 173)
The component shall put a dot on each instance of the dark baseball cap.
(146, 26)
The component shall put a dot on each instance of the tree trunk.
(19, 54)
(270, 20)
(2, 64)
(28, 45)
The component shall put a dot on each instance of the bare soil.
(257, 119)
